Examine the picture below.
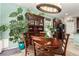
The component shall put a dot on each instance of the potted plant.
(3, 28)
(51, 30)
(17, 27)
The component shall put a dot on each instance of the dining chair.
(39, 48)
(25, 38)
(38, 44)
(62, 50)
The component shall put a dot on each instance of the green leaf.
(29, 10)
(20, 10)
(11, 39)
(46, 36)
(3, 28)
(13, 14)
(20, 17)
(41, 13)
(13, 21)
(11, 33)
(16, 37)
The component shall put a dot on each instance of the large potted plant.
(3, 28)
(17, 27)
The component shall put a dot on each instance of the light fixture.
(49, 8)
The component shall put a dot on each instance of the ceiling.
(71, 9)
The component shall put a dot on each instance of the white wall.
(75, 25)
(0, 15)
(5, 43)
(5, 10)
(70, 25)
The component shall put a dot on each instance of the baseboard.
(9, 48)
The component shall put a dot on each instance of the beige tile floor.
(72, 50)
(73, 47)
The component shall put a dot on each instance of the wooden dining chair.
(39, 49)
(25, 38)
(62, 50)
(38, 44)
(48, 51)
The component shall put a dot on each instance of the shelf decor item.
(21, 45)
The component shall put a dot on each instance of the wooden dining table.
(47, 43)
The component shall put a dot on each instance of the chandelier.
(49, 8)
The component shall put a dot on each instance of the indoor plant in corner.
(17, 27)
(3, 28)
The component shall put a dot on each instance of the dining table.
(48, 44)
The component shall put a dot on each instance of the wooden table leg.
(25, 51)
(34, 48)
(26, 47)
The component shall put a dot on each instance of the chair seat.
(51, 47)
(58, 51)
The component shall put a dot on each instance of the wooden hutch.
(35, 24)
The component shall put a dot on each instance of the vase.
(21, 45)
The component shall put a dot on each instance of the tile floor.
(72, 50)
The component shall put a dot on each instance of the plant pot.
(1, 46)
(21, 45)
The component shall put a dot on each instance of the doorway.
(77, 24)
